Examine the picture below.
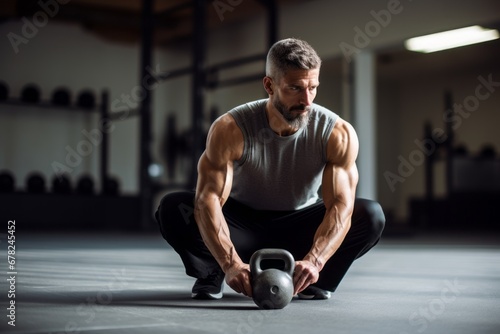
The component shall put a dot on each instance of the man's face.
(294, 94)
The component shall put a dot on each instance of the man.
(258, 187)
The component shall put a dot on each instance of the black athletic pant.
(252, 230)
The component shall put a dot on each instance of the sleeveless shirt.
(275, 172)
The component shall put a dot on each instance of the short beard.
(298, 121)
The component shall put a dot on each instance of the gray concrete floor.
(83, 283)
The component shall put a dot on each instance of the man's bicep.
(339, 185)
(214, 180)
(340, 177)
(215, 168)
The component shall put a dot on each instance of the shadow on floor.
(155, 298)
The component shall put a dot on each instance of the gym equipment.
(86, 99)
(61, 185)
(111, 186)
(35, 183)
(487, 151)
(272, 288)
(178, 144)
(61, 97)
(85, 185)
(7, 182)
(4, 91)
(30, 93)
(171, 145)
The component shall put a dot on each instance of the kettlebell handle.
(272, 254)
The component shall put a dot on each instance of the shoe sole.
(207, 296)
(315, 297)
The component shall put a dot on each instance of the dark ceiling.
(120, 20)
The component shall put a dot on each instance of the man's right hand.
(238, 278)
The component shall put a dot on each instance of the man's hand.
(306, 273)
(238, 278)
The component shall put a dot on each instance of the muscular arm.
(215, 175)
(340, 178)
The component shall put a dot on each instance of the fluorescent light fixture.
(451, 39)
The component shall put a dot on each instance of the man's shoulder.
(225, 139)
(321, 111)
(343, 142)
(322, 119)
(224, 124)
(248, 109)
(229, 123)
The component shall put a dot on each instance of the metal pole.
(105, 140)
(429, 180)
(448, 104)
(199, 21)
(145, 123)
(237, 62)
(272, 20)
(272, 27)
(235, 81)
(174, 73)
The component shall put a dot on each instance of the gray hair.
(289, 54)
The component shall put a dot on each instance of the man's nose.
(306, 97)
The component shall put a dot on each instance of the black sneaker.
(314, 293)
(210, 287)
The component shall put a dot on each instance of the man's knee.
(373, 215)
(175, 210)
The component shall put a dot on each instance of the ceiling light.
(451, 39)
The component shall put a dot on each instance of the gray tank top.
(280, 173)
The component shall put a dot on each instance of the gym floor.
(108, 283)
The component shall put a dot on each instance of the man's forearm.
(215, 232)
(329, 236)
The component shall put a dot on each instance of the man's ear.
(268, 85)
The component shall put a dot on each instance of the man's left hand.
(305, 274)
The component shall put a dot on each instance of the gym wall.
(67, 55)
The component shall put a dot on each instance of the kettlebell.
(272, 288)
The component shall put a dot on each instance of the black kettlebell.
(272, 288)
